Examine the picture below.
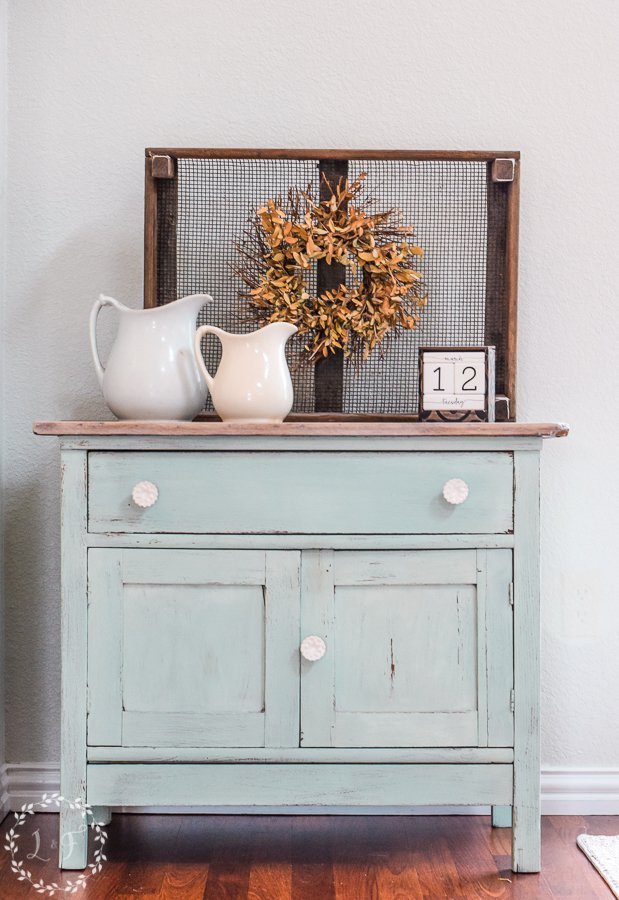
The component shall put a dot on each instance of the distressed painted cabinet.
(186, 601)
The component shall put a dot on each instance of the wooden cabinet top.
(316, 426)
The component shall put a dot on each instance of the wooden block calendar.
(457, 384)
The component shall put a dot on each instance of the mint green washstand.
(197, 558)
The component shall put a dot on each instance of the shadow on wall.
(48, 321)
(51, 376)
(32, 577)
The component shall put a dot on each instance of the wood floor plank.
(185, 877)
(566, 868)
(357, 857)
(312, 862)
(395, 876)
(229, 868)
(319, 858)
(271, 867)
(479, 873)
(138, 847)
(431, 859)
(522, 886)
(46, 825)
(445, 869)
(601, 824)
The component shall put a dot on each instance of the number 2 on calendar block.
(468, 378)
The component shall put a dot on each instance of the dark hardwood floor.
(317, 858)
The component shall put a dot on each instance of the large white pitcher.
(252, 383)
(152, 371)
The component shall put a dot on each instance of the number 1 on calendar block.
(439, 378)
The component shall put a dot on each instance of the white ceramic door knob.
(455, 491)
(145, 494)
(313, 648)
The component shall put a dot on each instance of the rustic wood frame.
(503, 177)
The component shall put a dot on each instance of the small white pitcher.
(252, 383)
(152, 372)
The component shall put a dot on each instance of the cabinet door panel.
(387, 663)
(193, 648)
(176, 635)
(417, 648)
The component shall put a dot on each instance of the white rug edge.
(587, 843)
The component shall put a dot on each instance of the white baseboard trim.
(580, 792)
(565, 792)
(27, 782)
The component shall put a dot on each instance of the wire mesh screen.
(215, 199)
(204, 212)
(445, 202)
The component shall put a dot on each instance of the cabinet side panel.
(526, 829)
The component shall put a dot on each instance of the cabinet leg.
(501, 817)
(526, 839)
(101, 815)
(73, 839)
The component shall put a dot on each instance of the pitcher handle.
(94, 315)
(202, 330)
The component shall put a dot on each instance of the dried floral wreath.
(285, 239)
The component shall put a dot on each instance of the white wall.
(93, 83)
(3, 223)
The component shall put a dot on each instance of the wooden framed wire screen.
(464, 210)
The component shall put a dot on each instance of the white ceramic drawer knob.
(313, 648)
(455, 491)
(145, 494)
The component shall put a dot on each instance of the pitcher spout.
(193, 303)
(284, 330)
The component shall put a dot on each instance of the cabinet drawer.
(300, 492)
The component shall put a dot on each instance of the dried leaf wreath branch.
(285, 239)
